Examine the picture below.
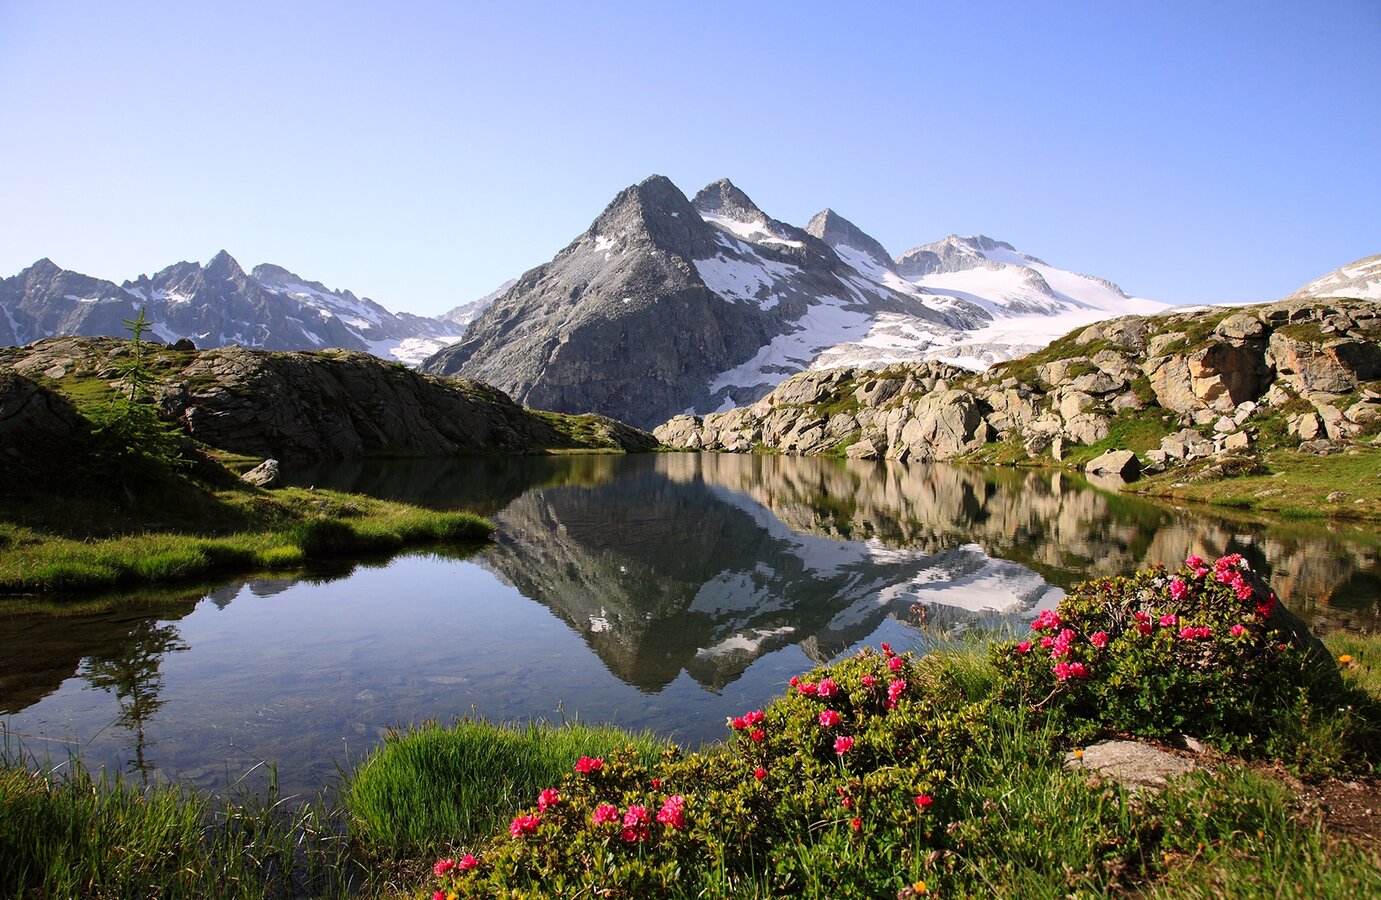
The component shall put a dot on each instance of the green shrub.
(1201, 651)
(841, 787)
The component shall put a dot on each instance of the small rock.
(1131, 764)
(1237, 441)
(264, 475)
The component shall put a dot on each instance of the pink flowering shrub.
(1204, 650)
(859, 756)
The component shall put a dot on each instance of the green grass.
(278, 530)
(431, 786)
(1294, 486)
(72, 834)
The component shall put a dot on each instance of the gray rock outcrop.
(329, 405)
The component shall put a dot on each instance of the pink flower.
(1143, 627)
(924, 801)
(1237, 630)
(635, 823)
(467, 862)
(524, 825)
(886, 648)
(1099, 639)
(807, 688)
(656, 783)
(1188, 633)
(759, 773)
(738, 723)
(895, 689)
(843, 745)
(754, 718)
(1203, 631)
(1023, 647)
(826, 688)
(1061, 644)
(795, 680)
(869, 680)
(1169, 620)
(585, 765)
(1194, 561)
(1266, 607)
(856, 824)
(895, 664)
(443, 866)
(846, 803)
(1047, 619)
(605, 813)
(1244, 590)
(673, 812)
(829, 718)
(1067, 670)
(439, 895)
(1200, 572)
(1047, 642)
(1178, 589)
(549, 797)
(757, 735)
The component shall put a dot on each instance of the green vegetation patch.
(282, 529)
(1292, 485)
(430, 786)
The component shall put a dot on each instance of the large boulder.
(942, 425)
(1334, 366)
(40, 435)
(1122, 463)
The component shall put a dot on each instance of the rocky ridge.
(667, 304)
(1185, 385)
(325, 405)
(214, 305)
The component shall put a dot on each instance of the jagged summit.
(723, 198)
(837, 231)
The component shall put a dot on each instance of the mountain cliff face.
(666, 304)
(215, 305)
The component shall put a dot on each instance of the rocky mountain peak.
(837, 231)
(223, 265)
(654, 208)
(954, 253)
(43, 268)
(723, 198)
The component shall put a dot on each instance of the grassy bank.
(1288, 484)
(436, 784)
(231, 529)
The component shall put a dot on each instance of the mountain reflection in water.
(670, 590)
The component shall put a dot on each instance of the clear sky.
(422, 153)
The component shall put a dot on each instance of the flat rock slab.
(1129, 763)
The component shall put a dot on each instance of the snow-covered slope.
(1027, 303)
(1360, 279)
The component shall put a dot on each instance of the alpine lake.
(658, 591)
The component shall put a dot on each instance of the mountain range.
(665, 304)
(214, 305)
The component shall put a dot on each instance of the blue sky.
(420, 155)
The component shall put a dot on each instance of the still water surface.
(661, 591)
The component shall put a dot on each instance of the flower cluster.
(852, 752)
(1158, 651)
